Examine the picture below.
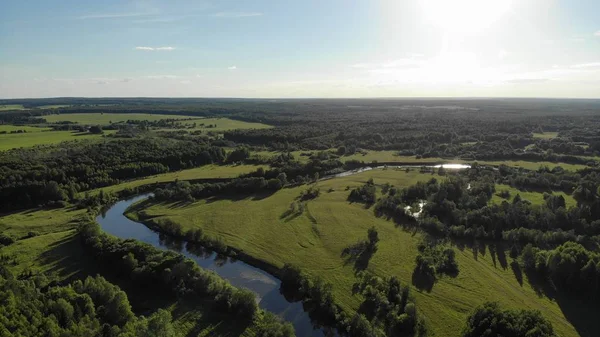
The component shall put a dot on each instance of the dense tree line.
(570, 267)
(33, 177)
(366, 193)
(170, 272)
(387, 309)
(489, 320)
(456, 208)
(90, 307)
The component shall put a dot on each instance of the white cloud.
(161, 77)
(412, 62)
(232, 68)
(597, 33)
(155, 48)
(586, 65)
(236, 14)
(115, 15)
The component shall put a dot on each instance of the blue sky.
(280, 48)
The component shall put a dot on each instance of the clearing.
(15, 140)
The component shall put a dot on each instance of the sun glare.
(464, 16)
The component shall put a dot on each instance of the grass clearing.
(55, 106)
(546, 135)
(536, 198)
(42, 221)
(58, 253)
(7, 107)
(203, 172)
(29, 139)
(315, 239)
(9, 128)
(107, 118)
(222, 124)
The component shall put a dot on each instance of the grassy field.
(536, 198)
(390, 156)
(11, 107)
(315, 239)
(58, 252)
(222, 124)
(107, 118)
(546, 135)
(203, 172)
(56, 106)
(9, 128)
(29, 139)
(534, 165)
(42, 221)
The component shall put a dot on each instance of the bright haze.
(310, 48)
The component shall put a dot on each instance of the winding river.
(238, 273)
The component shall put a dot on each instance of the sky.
(296, 49)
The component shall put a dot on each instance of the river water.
(238, 273)
(265, 286)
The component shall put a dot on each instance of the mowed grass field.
(315, 239)
(536, 198)
(107, 118)
(203, 172)
(16, 140)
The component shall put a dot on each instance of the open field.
(203, 172)
(546, 135)
(107, 118)
(536, 198)
(11, 107)
(42, 221)
(390, 156)
(222, 124)
(56, 106)
(29, 139)
(57, 253)
(9, 128)
(315, 239)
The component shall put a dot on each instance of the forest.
(347, 205)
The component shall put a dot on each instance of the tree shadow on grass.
(516, 269)
(207, 319)
(360, 254)
(423, 281)
(581, 311)
(67, 259)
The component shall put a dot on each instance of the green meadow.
(536, 198)
(11, 141)
(203, 172)
(391, 157)
(108, 118)
(546, 135)
(222, 124)
(7, 107)
(314, 240)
